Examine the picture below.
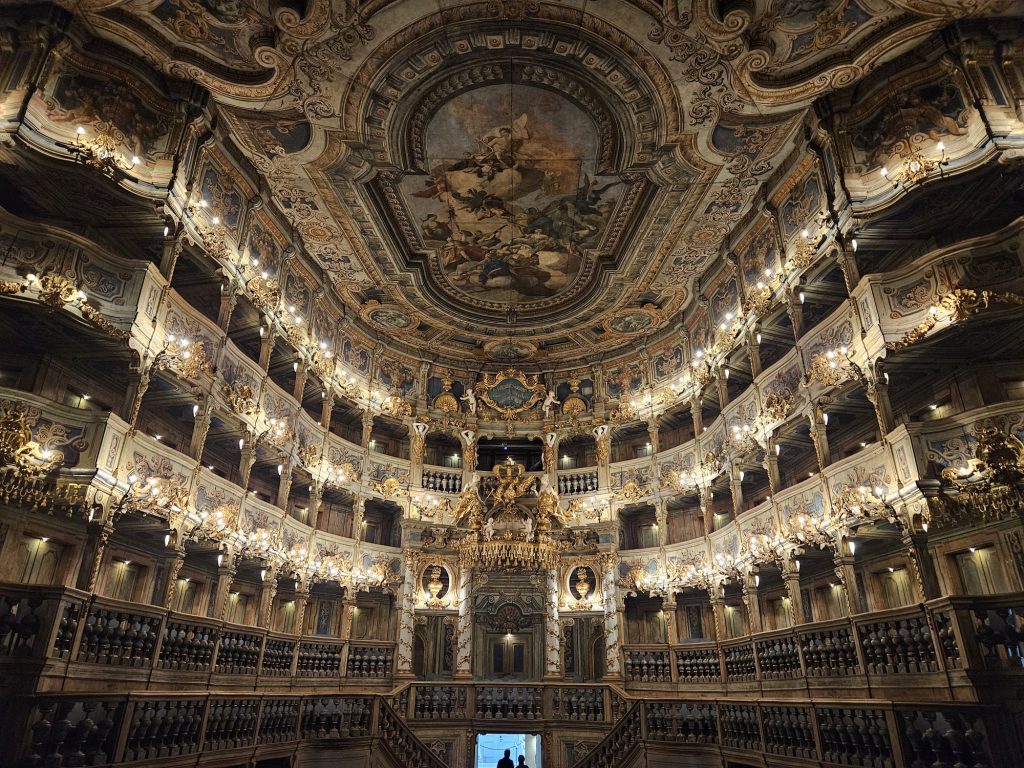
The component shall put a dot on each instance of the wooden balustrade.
(54, 624)
(146, 729)
(70, 729)
(881, 736)
(647, 665)
(80, 635)
(577, 483)
(441, 480)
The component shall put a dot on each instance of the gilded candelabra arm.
(163, 497)
(20, 452)
(834, 367)
(954, 307)
(100, 152)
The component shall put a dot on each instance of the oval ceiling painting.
(512, 202)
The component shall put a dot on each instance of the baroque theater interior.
(631, 382)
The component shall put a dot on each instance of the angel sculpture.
(549, 402)
(470, 400)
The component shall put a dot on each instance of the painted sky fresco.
(511, 204)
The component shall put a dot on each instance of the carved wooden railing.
(87, 729)
(577, 482)
(156, 648)
(943, 643)
(882, 734)
(940, 641)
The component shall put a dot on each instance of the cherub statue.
(470, 400)
(529, 528)
(549, 402)
(547, 506)
(489, 529)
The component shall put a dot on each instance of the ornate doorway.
(509, 629)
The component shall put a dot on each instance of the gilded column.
(697, 416)
(923, 564)
(819, 435)
(612, 611)
(752, 603)
(228, 300)
(552, 629)
(225, 578)
(603, 447)
(417, 451)
(301, 603)
(201, 427)
(267, 594)
(464, 628)
(301, 374)
(174, 566)
(97, 535)
(550, 457)
(791, 580)
(266, 347)
(406, 619)
(284, 487)
(754, 351)
(668, 607)
(847, 576)
(468, 437)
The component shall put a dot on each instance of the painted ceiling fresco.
(482, 181)
(513, 205)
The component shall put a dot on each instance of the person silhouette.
(522, 762)
(506, 761)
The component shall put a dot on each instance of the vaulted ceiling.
(516, 180)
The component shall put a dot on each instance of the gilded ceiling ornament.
(777, 406)
(215, 523)
(834, 367)
(187, 357)
(510, 392)
(309, 454)
(641, 579)
(56, 291)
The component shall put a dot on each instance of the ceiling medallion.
(634, 322)
(510, 351)
(386, 317)
(510, 392)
